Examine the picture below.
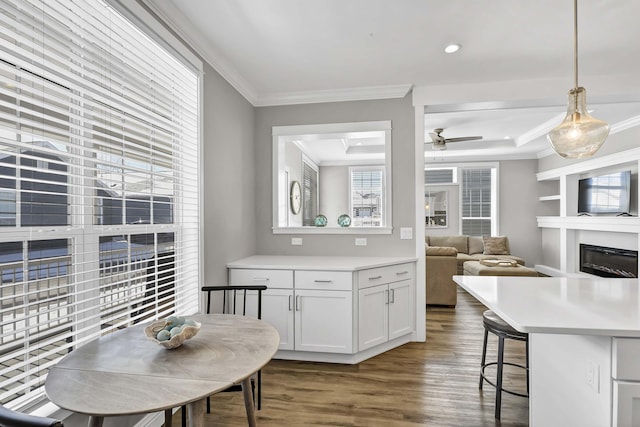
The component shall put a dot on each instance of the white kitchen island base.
(584, 345)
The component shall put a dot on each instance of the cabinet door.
(277, 309)
(372, 316)
(323, 321)
(626, 404)
(400, 308)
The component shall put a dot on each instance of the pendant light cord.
(575, 40)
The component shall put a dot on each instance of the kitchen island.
(584, 344)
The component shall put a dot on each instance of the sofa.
(440, 266)
(474, 248)
(446, 255)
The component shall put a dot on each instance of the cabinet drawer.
(324, 280)
(626, 353)
(389, 274)
(280, 279)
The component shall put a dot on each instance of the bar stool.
(494, 324)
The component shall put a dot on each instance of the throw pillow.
(495, 245)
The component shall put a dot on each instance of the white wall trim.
(337, 95)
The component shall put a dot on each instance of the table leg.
(195, 413)
(248, 402)
(95, 421)
(168, 418)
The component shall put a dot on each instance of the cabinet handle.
(323, 281)
(375, 277)
(400, 273)
(297, 302)
(260, 279)
(290, 298)
(386, 296)
(393, 296)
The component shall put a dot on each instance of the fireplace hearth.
(608, 262)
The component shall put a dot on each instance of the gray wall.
(519, 204)
(401, 114)
(229, 181)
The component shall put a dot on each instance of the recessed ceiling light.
(452, 48)
(507, 137)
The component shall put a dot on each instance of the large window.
(478, 186)
(367, 196)
(99, 210)
(478, 195)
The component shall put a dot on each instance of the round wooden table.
(125, 373)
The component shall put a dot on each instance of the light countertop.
(335, 263)
(556, 305)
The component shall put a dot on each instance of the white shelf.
(547, 198)
(620, 224)
(621, 158)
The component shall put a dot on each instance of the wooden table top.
(126, 373)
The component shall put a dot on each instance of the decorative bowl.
(188, 331)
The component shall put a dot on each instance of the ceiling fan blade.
(463, 138)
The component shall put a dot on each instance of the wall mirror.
(436, 209)
(332, 178)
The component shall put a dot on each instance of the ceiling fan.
(440, 142)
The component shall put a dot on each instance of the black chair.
(9, 418)
(234, 301)
(494, 324)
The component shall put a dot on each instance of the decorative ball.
(320, 220)
(344, 220)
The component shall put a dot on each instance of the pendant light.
(579, 135)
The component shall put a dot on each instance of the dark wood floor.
(433, 383)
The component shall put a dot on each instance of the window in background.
(309, 191)
(478, 196)
(99, 206)
(367, 201)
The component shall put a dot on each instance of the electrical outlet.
(361, 241)
(593, 376)
(296, 241)
(406, 233)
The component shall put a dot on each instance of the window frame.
(82, 232)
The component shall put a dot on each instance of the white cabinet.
(323, 321)
(333, 309)
(384, 310)
(626, 382)
(314, 315)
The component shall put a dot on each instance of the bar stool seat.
(494, 324)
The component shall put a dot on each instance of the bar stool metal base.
(492, 323)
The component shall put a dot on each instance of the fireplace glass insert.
(608, 262)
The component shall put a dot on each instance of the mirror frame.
(286, 131)
(428, 194)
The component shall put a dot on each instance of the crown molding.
(337, 95)
(180, 25)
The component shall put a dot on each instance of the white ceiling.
(278, 52)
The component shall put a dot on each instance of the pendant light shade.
(579, 134)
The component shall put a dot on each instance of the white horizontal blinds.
(99, 209)
(476, 193)
(309, 193)
(367, 196)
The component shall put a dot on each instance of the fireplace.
(608, 262)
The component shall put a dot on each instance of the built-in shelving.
(566, 230)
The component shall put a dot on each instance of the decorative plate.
(176, 341)
(320, 220)
(344, 220)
